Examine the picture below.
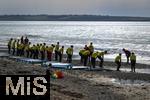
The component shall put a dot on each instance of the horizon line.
(70, 15)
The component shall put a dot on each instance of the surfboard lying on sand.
(59, 65)
(27, 60)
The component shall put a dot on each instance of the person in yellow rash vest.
(31, 51)
(118, 61)
(133, 61)
(101, 58)
(81, 55)
(22, 49)
(93, 58)
(56, 51)
(37, 51)
(27, 49)
(19, 49)
(14, 47)
(86, 54)
(18, 44)
(60, 53)
(42, 50)
(50, 52)
(91, 49)
(69, 53)
(9, 45)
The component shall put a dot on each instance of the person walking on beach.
(56, 51)
(101, 58)
(86, 54)
(60, 53)
(93, 58)
(14, 47)
(9, 45)
(118, 61)
(127, 53)
(133, 62)
(69, 53)
(81, 55)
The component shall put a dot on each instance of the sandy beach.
(99, 84)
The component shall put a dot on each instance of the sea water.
(105, 35)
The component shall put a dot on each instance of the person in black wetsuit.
(128, 53)
(26, 41)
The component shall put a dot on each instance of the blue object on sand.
(59, 65)
(27, 60)
(32, 61)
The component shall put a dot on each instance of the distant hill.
(70, 18)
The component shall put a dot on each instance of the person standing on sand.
(81, 55)
(31, 51)
(118, 61)
(14, 47)
(69, 53)
(34, 51)
(86, 47)
(22, 39)
(22, 49)
(42, 51)
(133, 62)
(93, 58)
(37, 51)
(9, 45)
(101, 58)
(49, 51)
(91, 49)
(86, 54)
(27, 49)
(127, 53)
(60, 53)
(26, 41)
(56, 51)
(18, 44)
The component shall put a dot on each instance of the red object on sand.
(59, 74)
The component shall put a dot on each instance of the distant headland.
(70, 18)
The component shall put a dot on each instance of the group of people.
(87, 54)
(23, 47)
(130, 56)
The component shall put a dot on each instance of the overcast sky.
(94, 7)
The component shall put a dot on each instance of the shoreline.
(3, 49)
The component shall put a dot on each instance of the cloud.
(113, 7)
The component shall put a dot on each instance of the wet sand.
(85, 84)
